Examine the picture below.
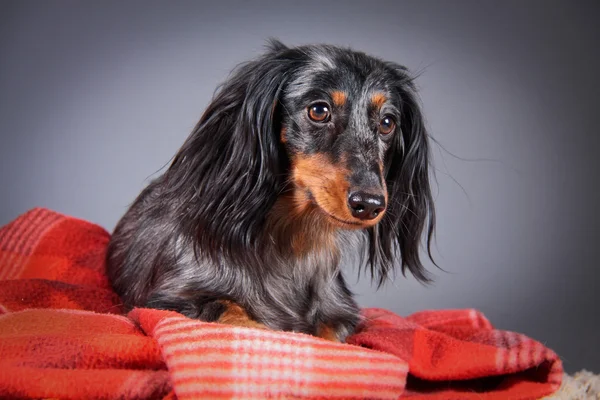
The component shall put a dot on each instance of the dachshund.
(305, 155)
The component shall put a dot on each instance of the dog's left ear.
(410, 208)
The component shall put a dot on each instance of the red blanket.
(63, 335)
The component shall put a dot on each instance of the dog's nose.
(366, 206)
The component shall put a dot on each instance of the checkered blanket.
(63, 334)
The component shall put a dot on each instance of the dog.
(305, 154)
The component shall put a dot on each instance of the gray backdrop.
(95, 97)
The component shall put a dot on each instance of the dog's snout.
(366, 206)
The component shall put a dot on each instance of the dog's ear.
(410, 209)
(227, 174)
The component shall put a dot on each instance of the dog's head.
(341, 125)
(338, 131)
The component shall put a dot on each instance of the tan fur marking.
(328, 333)
(236, 315)
(378, 99)
(338, 97)
(385, 191)
(326, 181)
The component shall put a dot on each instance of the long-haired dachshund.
(304, 155)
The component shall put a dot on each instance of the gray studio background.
(95, 97)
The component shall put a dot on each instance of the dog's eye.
(319, 112)
(387, 125)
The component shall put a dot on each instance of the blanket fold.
(63, 335)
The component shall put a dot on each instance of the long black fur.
(199, 233)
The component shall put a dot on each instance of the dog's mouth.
(342, 221)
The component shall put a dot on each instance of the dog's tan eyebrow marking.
(378, 99)
(338, 97)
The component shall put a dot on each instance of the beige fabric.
(584, 385)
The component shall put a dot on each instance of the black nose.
(366, 205)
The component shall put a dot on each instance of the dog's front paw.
(328, 333)
(234, 314)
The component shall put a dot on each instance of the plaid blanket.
(63, 335)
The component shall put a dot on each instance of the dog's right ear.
(226, 176)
